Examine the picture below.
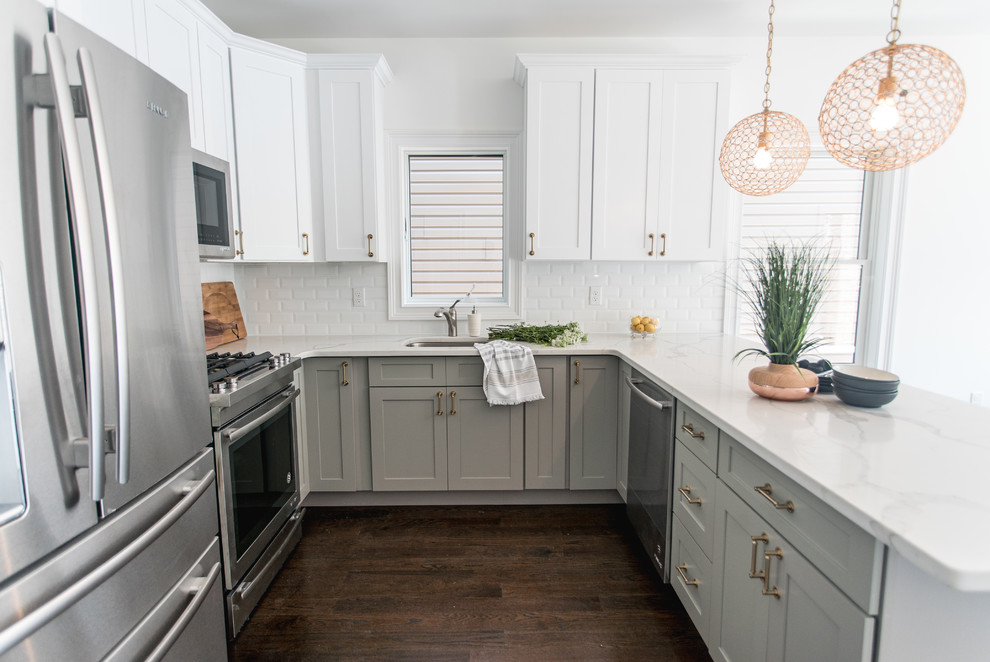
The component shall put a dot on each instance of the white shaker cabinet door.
(625, 206)
(118, 21)
(273, 166)
(352, 142)
(560, 109)
(173, 52)
(693, 196)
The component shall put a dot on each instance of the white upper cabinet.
(273, 158)
(622, 158)
(352, 149)
(117, 21)
(215, 95)
(560, 113)
(173, 52)
(694, 201)
(626, 191)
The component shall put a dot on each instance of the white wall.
(466, 85)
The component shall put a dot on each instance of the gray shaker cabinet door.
(546, 428)
(408, 438)
(810, 620)
(594, 387)
(484, 442)
(740, 612)
(336, 421)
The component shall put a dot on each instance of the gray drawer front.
(698, 433)
(846, 554)
(465, 370)
(698, 482)
(695, 566)
(407, 371)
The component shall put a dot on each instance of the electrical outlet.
(595, 295)
(976, 397)
(357, 294)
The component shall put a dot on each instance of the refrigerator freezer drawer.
(83, 599)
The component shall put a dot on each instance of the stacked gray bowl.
(860, 386)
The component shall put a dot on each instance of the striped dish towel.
(510, 373)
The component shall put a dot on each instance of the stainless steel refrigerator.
(108, 511)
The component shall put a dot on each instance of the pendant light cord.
(895, 33)
(766, 84)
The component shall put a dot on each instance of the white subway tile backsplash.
(315, 299)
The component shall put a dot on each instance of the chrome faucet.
(450, 315)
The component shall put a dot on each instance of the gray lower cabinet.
(336, 406)
(546, 428)
(622, 442)
(594, 391)
(770, 603)
(442, 435)
(408, 438)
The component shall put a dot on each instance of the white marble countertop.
(914, 473)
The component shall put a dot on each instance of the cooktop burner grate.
(222, 366)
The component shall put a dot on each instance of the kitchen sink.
(444, 342)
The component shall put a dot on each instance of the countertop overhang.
(915, 473)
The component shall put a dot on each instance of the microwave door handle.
(79, 204)
(111, 226)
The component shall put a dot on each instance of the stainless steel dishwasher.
(651, 456)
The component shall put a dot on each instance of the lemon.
(650, 328)
(636, 320)
(639, 328)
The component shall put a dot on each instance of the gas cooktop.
(244, 378)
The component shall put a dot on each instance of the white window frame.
(399, 147)
(880, 239)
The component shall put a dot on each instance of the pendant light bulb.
(763, 157)
(884, 115)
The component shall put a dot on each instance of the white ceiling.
(282, 19)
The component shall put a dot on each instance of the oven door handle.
(266, 413)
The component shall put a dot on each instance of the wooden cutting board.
(222, 319)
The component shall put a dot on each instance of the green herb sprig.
(555, 335)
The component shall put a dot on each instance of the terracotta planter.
(783, 382)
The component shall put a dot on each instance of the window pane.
(456, 226)
(824, 205)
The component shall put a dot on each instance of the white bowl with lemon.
(643, 326)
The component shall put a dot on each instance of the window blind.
(824, 205)
(456, 225)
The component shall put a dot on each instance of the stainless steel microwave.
(214, 214)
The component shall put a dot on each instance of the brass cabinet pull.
(689, 428)
(762, 538)
(306, 237)
(577, 371)
(765, 491)
(439, 403)
(663, 244)
(653, 241)
(532, 243)
(682, 570)
(775, 592)
(452, 395)
(686, 493)
(371, 253)
(240, 239)
(343, 370)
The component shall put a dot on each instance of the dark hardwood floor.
(469, 583)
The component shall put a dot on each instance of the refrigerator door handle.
(111, 226)
(200, 589)
(75, 181)
(36, 618)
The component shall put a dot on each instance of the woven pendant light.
(766, 152)
(892, 107)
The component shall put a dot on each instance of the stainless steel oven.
(255, 445)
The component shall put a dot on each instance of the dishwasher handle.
(659, 404)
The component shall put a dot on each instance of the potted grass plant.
(783, 288)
